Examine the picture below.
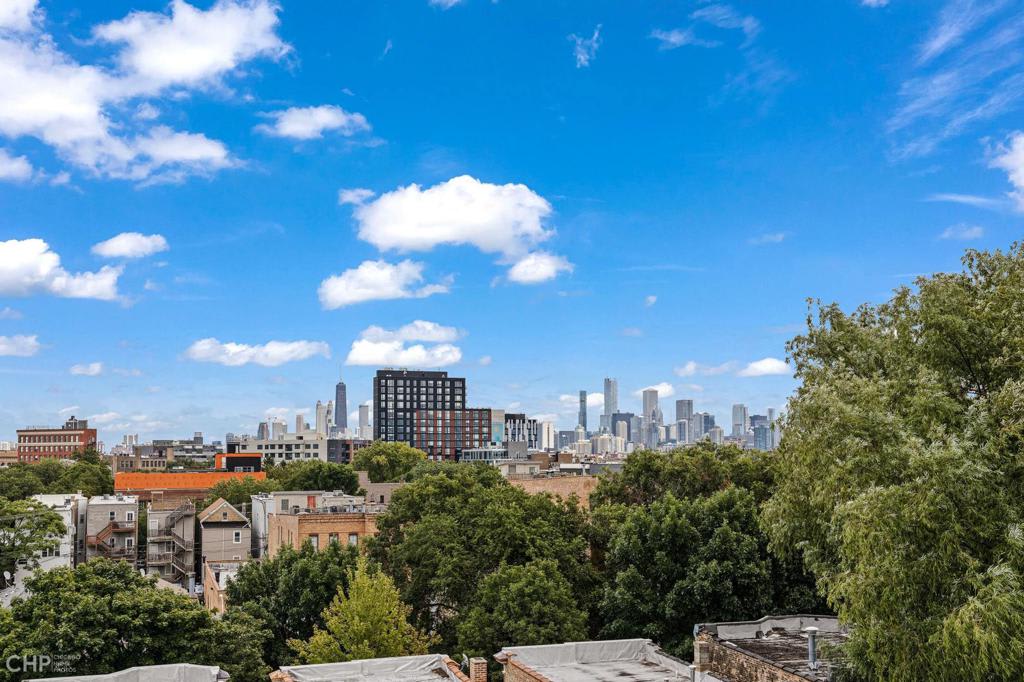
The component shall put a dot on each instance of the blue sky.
(209, 210)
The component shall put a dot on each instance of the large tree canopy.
(290, 592)
(365, 620)
(103, 616)
(447, 531)
(901, 473)
(26, 528)
(387, 461)
(314, 475)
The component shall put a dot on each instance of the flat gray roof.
(430, 668)
(178, 672)
(637, 660)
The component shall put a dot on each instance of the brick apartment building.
(427, 410)
(37, 443)
(319, 526)
(192, 485)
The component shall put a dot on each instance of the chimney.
(478, 670)
(812, 649)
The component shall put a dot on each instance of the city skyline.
(649, 193)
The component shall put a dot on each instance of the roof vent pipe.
(812, 649)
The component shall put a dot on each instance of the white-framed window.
(315, 541)
(129, 543)
(112, 515)
(237, 539)
(129, 516)
(353, 539)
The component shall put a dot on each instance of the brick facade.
(294, 529)
(560, 486)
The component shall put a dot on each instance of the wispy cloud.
(969, 200)
(955, 83)
(585, 49)
(768, 238)
(963, 232)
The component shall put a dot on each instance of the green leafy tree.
(387, 461)
(522, 605)
(444, 532)
(89, 479)
(289, 592)
(315, 475)
(88, 455)
(19, 481)
(366, 620)
(239, 492)
(698, 470)
(103, 616)
(27, 527)
(679, 562)
(900, 478)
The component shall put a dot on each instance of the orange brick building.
(192, 485)
(318, 527)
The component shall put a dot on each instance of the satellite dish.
(7, 575)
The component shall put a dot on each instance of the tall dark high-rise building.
(428, 411)
(340, 405)
(583, 410)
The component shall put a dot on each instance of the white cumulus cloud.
(664, 389)
(90, 369)
(193, 46)
(507, 220)
(691, 368)
(572, 401)
(650, 300)
(417, 330)
(390, 348)
(270, 354)
(131, 245)
(539, 266)
(1010, 158)
(17, 15)
(377, 280)
(309, 123)
(765, 367)
(19, 346)
(15, 168)
(28, 266)
(85, 111)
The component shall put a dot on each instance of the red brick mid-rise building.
(37, 443)
(428, 411)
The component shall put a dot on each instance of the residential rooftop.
(429, 668)
(636, 660)
(178, 672)
(778, 643)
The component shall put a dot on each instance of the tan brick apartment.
(319, 527)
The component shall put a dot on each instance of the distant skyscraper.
(611, 402)
(740, 420)
(773, 440)
(277, 429)
(364, 422)
(684, 410)
(583, 410)
(321, 418)
(652, 411)
(263, 431)
(340, 405)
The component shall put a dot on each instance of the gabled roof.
(214, 513)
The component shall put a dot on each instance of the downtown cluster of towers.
(650, 428)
